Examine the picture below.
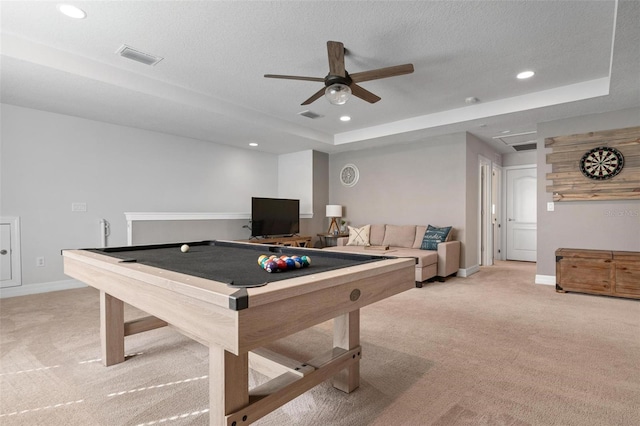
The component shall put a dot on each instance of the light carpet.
(490, 349)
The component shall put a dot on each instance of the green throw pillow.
(433, 236)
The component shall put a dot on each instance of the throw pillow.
(420, 230)
(359, 236)
(376, 234)
(399, 235)
(433, 236)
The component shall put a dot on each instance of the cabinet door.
(586, 275)
(627, 279)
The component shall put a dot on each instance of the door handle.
(3, 252)
(511, 220)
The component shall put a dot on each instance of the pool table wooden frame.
(200, 309)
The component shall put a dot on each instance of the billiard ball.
(291, 264)
(271, 266)
(184, 248)
(306, 261)
(282, 264)
(261, 259)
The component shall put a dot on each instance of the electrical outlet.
(40, 261)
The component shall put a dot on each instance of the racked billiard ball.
(291, 264)
(271, 266)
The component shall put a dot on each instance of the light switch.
(550, 206)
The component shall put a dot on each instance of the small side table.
(325, 236)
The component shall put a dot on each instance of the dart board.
(601, 163)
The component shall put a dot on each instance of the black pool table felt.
(232, 263)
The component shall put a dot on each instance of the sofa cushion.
(423, 257)
(376, 236)
(417, 242)
(359, 236)
(433, 236)
(399, 236)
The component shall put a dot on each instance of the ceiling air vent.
(138, 56)
(523, 141)
(310, 114)
(525, 147)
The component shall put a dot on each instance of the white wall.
(295, 179)
(49, 161)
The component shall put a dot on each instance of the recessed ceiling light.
(525, 74)
(345, 118)
(253, 144)
(72, 11)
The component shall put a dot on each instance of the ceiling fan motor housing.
(337, 79)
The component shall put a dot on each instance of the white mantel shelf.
(137, 216)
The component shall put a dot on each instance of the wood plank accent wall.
(569, 184)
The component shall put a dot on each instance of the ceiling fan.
(339, 84)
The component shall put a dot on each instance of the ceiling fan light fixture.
(338, 93)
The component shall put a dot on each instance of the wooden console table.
(325, 236)
(293, 241)
(609, 273)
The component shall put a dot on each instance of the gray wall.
(50, 161)
(520, 158)
(605, 225)
(474, 149)
(429, 182)
(319, 222)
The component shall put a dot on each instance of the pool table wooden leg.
(228, 383)
(346, 335)
(111, 329)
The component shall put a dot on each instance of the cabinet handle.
(3, 252)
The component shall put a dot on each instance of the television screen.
(274, 216)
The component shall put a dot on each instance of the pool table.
(217, 294)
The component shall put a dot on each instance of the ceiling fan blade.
(315, 97)
(382, 73)
(364, 94)
(294, 77)
(335, 50)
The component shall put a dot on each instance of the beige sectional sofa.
(405, 241)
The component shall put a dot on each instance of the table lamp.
(334, 211)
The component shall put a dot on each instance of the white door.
(5, 252)
(521, 214)
(10, 252)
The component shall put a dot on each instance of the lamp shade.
(334, 210)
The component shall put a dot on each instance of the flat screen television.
(274, 216)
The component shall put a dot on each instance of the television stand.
(291, 241)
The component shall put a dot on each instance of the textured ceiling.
(210, 84)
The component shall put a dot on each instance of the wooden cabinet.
(292, 241)
(609, 273)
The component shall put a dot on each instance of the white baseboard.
(546, 279)
(24, 290)
(465, 272)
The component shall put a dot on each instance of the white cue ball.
(184, 248)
